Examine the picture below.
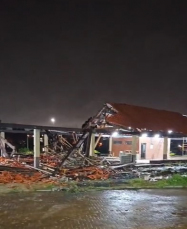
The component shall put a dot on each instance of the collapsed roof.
(147, 118)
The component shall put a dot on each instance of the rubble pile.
(12, 177)
(10, 162)
(12, 171)
(92, 173)
(24, 158)
(50, 160)
(82, 169)
(159, 172)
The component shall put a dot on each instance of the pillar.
(134, 144)
(2, 135)
(135, 147)
(36, 148)
(166, 148)
(46, 142)
(110, 145)
(2, 144)
(92, 145)
(88, 141)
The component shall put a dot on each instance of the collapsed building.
(135, 135)
(144, 132)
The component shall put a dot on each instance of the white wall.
(154, 148)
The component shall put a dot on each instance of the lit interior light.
(129, 127)
(170, 131)
(144, 135)
(115, 134)
(179, 146)
(157, 135)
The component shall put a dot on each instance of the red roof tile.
(151, 119)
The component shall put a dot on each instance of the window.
(117, 142)
(128, 143)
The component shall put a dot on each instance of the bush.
(25, 151)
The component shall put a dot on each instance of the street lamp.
(53, 120)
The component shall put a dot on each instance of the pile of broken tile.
(14, 171)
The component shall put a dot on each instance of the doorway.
(143, 150)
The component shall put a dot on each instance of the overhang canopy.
(147, 118)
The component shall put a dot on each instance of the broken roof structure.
(142, 118)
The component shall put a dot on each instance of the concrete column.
(166, 148)
(2, 134)
(88, 141)
(169, 147)
(110, 145)
(134, 144)
(2, 144)
(92, 145)
(46, 142)
(36, 148)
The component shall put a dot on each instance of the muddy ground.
(143, 209)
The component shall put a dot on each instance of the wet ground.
(149, 209)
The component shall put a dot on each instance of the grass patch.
(140, 183)
(176, 180)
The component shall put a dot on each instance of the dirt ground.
(143, 209)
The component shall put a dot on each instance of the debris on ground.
(11, 177)
(65, 161)
(80, 170)
(92, 173)
(10, 162)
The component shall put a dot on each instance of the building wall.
(154, 147)
(122, 144)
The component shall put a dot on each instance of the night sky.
(67, 58)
